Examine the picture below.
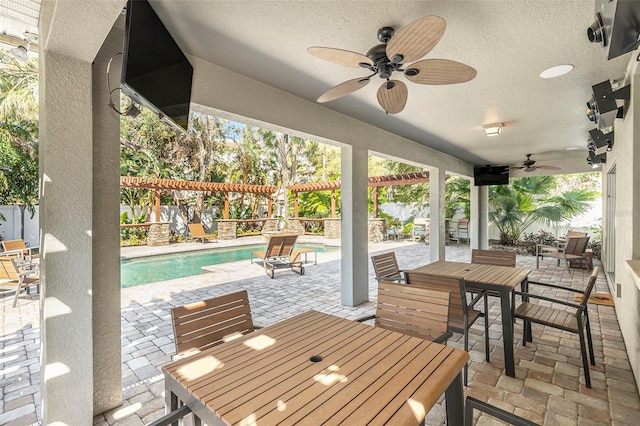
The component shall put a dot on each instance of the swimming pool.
(151, 269)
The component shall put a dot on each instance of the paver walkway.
(548, 388)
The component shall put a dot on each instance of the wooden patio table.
(364, 375)
(500, 279)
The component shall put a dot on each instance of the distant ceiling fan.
(397, 49)
(529, 165)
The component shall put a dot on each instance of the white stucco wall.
(623, 157)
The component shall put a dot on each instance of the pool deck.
(548, 388)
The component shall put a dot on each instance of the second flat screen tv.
(490, 175)
(155, 72)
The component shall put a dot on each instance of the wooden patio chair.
(574, 250)
(412, 310)
(280, 254)
(461, 231)
(20, 248)
(574, 318)
(16, 277)
(386, 267)
(197, 232)
(492, 257)
(559, 244)
(201, 325)
(461, 313)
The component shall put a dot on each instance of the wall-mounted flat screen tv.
(490, 175)
(155, 72)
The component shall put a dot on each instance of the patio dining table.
(500, 279)
(317, 368)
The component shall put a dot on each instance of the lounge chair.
(198, 233)
(18, 247)
(280, 254)
(16, 277)
(574, 250)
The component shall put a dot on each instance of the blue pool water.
(151, 269)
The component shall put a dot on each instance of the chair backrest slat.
(385, 265)
(207, 323)
(412, 310)
(494, 257)
(576, 246)
(281, 245)
(196, 229)
(571, 234)
(8, 270)
(455, 286)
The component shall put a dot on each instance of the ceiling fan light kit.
(396, 49)
(529, 165)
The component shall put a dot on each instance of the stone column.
(332, 228)
(158, 234)
(377, 229)
(227, 229)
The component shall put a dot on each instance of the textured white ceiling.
(509, 42)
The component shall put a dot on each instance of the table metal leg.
(507, 331)
(455, 402)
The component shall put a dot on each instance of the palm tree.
(19, 134)
(515, 207)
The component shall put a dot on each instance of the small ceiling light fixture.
(493, 129)
(21, 53)
(556, 71)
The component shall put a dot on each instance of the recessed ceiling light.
(556, 71)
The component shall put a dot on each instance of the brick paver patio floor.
(548, 388)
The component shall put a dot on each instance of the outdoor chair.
(420, 229)
(279, 254)
(412, 310)
(574, 250)
(471, 403)
(18, 247)
(574, 318)
(16, 277)
(461, 230)
(461, 314)
(201, 325)
(559, 244)
(386, 267)
(198, 233)
(492, 257)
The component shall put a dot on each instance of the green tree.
(525, 201)
(457, 196)
(19, 134)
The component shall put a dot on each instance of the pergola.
(268, 190)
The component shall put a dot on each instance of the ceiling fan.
(393, 55)
(529, 165)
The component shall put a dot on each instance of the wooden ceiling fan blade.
(549, 167)
(439, 71)
(392, 96)
(416, 39)
(340, 56)
(343, 89)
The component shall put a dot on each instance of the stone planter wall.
(270, 226)
(332, 228)
(377, 229)
(158, 234)
(227, 229)
(294, 226)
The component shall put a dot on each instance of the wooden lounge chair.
(574, 318)
(18, 247)
(201, 325)
(574, 250)
(198, 233)
(280, 254)
(386, 267)
(461, 314)
(15, 277)
(412, 310)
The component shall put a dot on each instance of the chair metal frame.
(559, 318)
(472, 403)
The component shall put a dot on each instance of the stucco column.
(436, 214)
(80, 300)
(479, 216)
(354, 261)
